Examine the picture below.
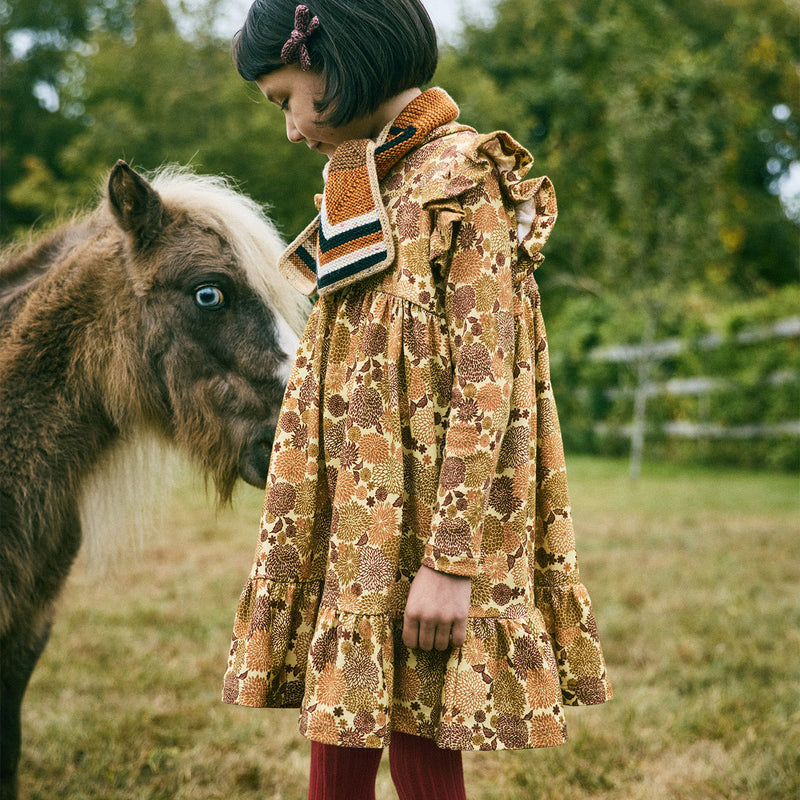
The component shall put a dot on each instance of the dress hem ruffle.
(354, 680)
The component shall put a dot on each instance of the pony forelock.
(213, 200)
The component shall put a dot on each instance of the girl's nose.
(292, 134)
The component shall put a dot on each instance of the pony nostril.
(254, 461)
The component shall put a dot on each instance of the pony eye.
(209, 296)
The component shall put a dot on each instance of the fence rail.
(644, 358)
(787, 328)
(699, 430)
(700, 385)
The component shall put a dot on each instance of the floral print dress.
(419, 427)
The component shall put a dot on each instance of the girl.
(415, 582)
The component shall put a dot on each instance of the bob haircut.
(366, 50)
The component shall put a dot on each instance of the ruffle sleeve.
(534, 199)
(476, 245)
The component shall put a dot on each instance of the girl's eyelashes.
(282, 104)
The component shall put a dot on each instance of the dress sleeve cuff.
(465, 566)
(571, 626)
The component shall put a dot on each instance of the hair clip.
(295, 48)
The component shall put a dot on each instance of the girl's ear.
(135, 204)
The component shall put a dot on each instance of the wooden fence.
(642, 361)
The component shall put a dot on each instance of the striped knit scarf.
(351, 238)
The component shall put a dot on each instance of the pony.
(160, 314)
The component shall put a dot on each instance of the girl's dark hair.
(367, 50)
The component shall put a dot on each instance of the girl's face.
(294, 92)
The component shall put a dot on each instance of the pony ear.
(135, 204)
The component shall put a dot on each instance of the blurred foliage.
(130, 86)
(666, 126)
(655, 120)
(653, 117)
(41, 39)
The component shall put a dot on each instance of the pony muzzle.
(254, 460)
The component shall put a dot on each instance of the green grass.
(695, 576)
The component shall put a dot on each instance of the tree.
(665, 125)
(148, 94)
(656, 121)
(39, 38)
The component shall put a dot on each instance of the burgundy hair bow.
(295, 48)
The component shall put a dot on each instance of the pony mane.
(212, 200)
(121, 499)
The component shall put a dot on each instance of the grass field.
(695, 576)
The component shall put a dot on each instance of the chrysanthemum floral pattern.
(419, 427)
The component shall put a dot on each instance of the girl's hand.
(436, 611)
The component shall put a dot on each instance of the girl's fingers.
(436, 611)
(442, 639)
(430, 636)
(410, 632)
(458, 634)
(427, 635)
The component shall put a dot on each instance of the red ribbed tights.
(420, 770)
